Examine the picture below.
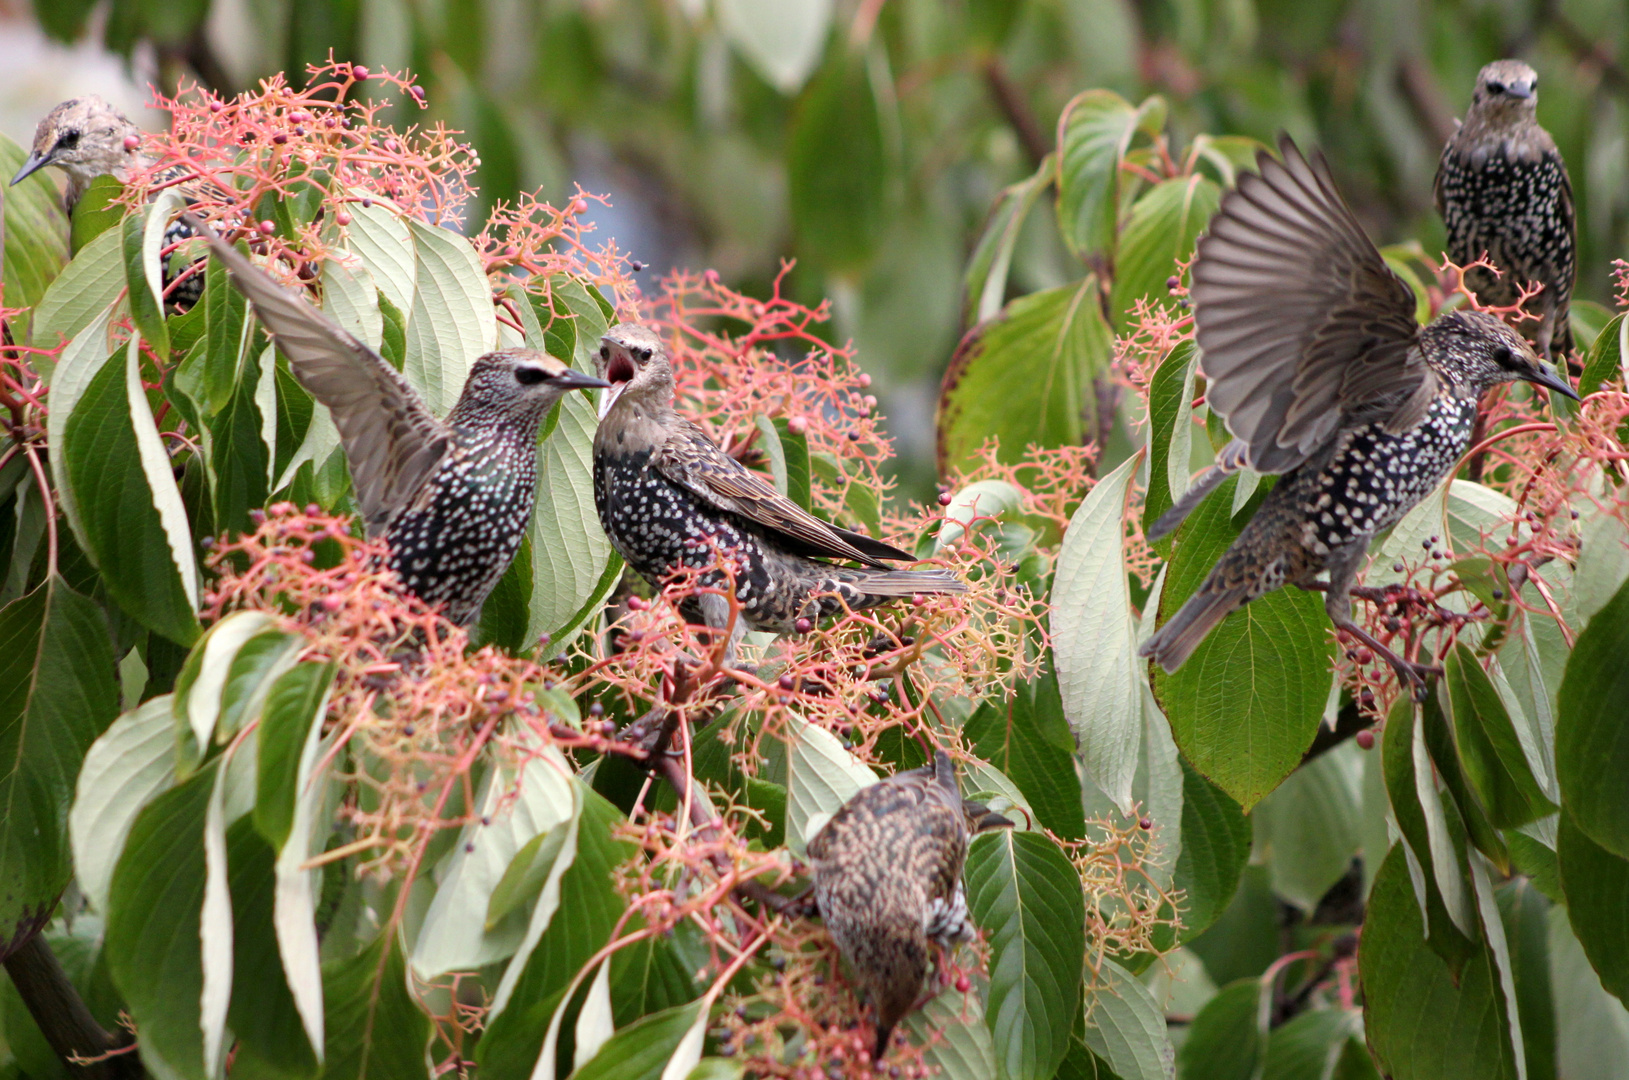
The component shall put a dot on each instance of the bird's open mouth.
(619, 373)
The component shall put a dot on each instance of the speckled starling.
(86, 137)
(671, 500)
(1312, 355)
(1503, 191)
(451, 498)
(888, 881)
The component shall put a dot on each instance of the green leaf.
(570, 552)
(1227, 1040)
(839, 166)
(1026, 378)
(295, 702)
(1170, 434)
(1420, 1024)
(1164, 224)
(1095, 131)
(795, 449)
(985, 283)
(228, 332)
(143, 267)
(97, 211)
(1591, 739)
(35, 245)
(781, 39)
(380, 237)
(85, 289)
(526, 875)
(1524, 911)
(1489, 748)
(1308, 828)
(511, 807)
(124, 770)
(451, 321)
(1605, 360)
(1310, 1046)
(153, 925)
(1596, 884)
(375, 1030)
(1125, 1027)
(823, 776)
(1024, 892)
(239, 458)
(1215, 847)
(994, 499)
(1246, 704)
(200, 687)
(572, 920)
(135, 527)
(1592, 1026)
(641, 1050)
(1094, 637)
(954, 1023)
(57, 694)
(1027, 738)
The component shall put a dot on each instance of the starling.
(452, 498)
(1312, 355)
(671, 500)
(888, 881)
(1502, 190)
(86, 138)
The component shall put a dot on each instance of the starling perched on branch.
(87, 137)
(1503, 192)
(888, 881)
(1313, 357)
(671, 500)
(452, 498)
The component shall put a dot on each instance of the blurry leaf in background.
(781, 39)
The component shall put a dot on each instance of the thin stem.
(50, 509)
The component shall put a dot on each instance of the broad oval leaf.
(1592, 1026)
(1308, 828)
(1024, 892)
(1216, 838)
(781, 39)
(451, 321)
(1248, 701)
(1595, 882)
(823, 776)
(124, 770)
(201, 685)
(379, 235)
(143, 266)
(1227, 1040)
(1591, 739)
(1605, 360)
(980, 499)
(570, 552)
(955, 1038)
(1490, 750)
(295, 705)
(1094, 637)
(375, 1028)
(642, 1050)
(1125, 1026)
(1420, 1024)
(57, 694)
(1164, 223)
(36, 243)
(87, 287)
(985, 283)
(1094, 132)
(1026, 378)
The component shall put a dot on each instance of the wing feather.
(391, 440)
(1299, 320)
(695, 462)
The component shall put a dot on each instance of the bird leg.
(1342, 565)
(1407, 670)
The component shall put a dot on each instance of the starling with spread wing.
(671, 500)
(888, 881)
(1503, 192)
(452, 498)
(1312, 355)
(85, 138)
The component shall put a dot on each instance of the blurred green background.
(868, 139)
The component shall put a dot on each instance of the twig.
(1011, 102)
(87, 1049)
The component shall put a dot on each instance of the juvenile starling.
(1313, 357)
(888, 881)
(1502, 190)
(452, 498)
(671, 500)
(86, 138)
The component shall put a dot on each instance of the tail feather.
(1228, 462)
(1174, 642)
(905, 582)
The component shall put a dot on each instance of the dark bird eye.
(530, 376)
(605, 352)
(1504, 358)
(644, 354)
(68, 139)
(1496, 87)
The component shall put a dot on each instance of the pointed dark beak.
(993, 820)
(1523, 90)
(1550, 380)
(36, 161)
(575, 380)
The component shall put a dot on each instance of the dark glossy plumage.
(1312, 356)
(87, 137)
(670, 499)
(451, 498)
(888, 881)
(1503, 190)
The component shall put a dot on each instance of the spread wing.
(693, 461)
(1298, 318)
(390, 439)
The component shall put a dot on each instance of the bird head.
(1485, 351)
(86, 138)
(633, 361)
(1506, 87)
(516, 386)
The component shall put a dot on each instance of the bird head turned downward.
(517, 386)
(85, 137)
(633, 360)
(1485, 351)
